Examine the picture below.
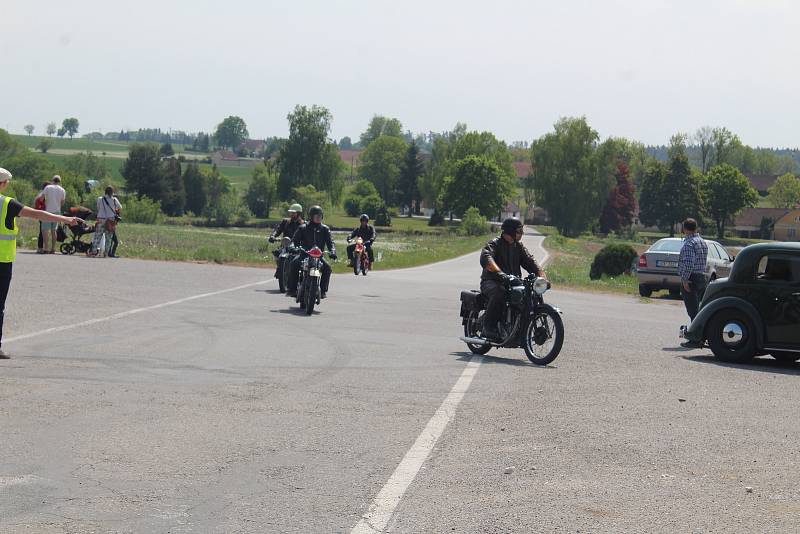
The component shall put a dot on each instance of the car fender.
(697, 330)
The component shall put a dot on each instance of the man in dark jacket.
(366, 232)
(502, 257)
(310, 235)
(287, 227)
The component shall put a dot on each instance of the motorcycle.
(360, 258)
(283, 257)
(308, 284)
(526, 321)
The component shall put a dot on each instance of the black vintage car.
(756, 310)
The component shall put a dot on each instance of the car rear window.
(667, 245)
(779, 268)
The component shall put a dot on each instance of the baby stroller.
(73, 243)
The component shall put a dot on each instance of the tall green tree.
(785, 192)
(262, 193)
(218, 187)
(231, 132)
(704, 140)
(305, 156)
(196, 186)
(51, 128)
(477, 181)
(29, 128)
(70, 126)
(652, 193)
(410, 174)
(726, 192)
(174, 200)
(142, 171)
(381, 164)
(380, 126)
(620, 207)
(725, 144)
(570, 182)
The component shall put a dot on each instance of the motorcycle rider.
(307, 236)
(501, 258)
(366, 232)
(287, 227)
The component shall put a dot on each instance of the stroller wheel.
(67, 248)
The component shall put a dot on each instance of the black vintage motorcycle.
(526, 322)
(283, 257)
(308, 284)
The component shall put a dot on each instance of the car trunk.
(662, 262)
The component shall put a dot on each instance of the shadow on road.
(763, 365)
(271, 291)
(488, 358)
(294, 311)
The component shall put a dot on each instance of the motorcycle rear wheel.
(471, 330)
(544, 336)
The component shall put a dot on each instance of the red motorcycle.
(360, 258)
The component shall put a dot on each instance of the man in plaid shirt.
(692, 266)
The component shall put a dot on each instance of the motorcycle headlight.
(540, 285)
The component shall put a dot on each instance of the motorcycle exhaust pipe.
(475, 340)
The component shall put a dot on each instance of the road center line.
(380, 511)
(135, 311)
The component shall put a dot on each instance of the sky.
(640, 69)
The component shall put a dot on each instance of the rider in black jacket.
(287, 227)
(366, 232)
(502, 257)
(310, 235)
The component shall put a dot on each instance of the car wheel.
(785, 357)
(645, 291)
(731, 336)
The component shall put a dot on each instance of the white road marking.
(135, 311)
(380, 511)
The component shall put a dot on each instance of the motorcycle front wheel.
(544, 336)
(311, 297)
(471, 329)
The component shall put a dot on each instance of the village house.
(787, 228)
(757, 223)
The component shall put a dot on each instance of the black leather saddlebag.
(471, 301)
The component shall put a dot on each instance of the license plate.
(315, 272)
(661, 263)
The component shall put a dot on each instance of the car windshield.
(667, 245)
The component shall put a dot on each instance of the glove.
(272, 239)
(333, 256)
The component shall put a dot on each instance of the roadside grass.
(248, 246)
(572, 258)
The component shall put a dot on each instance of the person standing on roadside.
(54, 197)
(10, 209)
(39, 204)
(692, 267)
(108, 208)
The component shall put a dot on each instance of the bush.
(356, 202)
(473, 223)
(437, 219)
(613, 260)
(141, 210)
(352, 206)
(382, 217)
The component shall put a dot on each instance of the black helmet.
(364, 217)
(315, 210)
(510, 226)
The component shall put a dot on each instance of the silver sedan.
(658, 267)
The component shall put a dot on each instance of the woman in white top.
(108, 208)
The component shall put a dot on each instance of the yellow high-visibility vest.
(8, 238)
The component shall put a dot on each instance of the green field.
(81, 144)
(249, 246)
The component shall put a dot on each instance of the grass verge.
(248, 246)
(572, 258)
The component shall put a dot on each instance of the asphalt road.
(232, 412)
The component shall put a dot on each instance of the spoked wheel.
(310, 298)
(472, 329)
(67, 248)
(365, 266)
(544, 336)
(356, 265)
(282, 279)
